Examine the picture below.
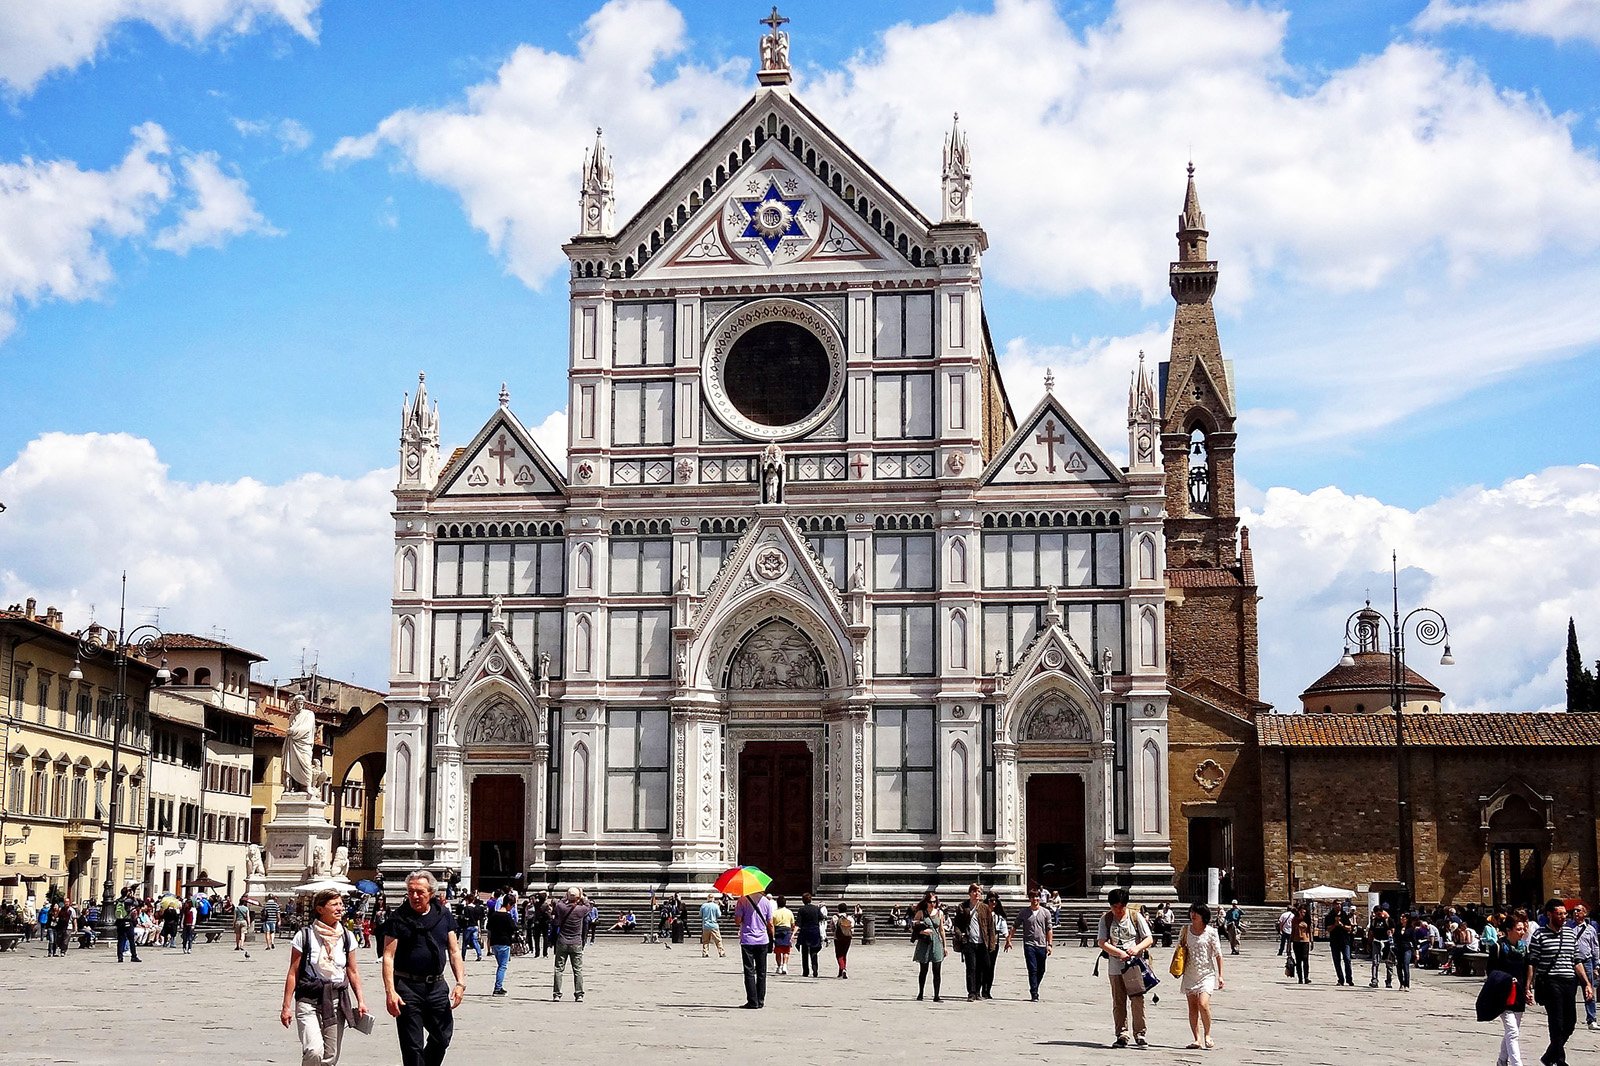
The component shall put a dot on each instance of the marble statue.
(319, 859)
(341, 863)
(298, 748)
(255, 868)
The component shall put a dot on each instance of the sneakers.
(1141, 1041)
(577, 997)
(555, 995)
(1120, 1041)
(499, 991)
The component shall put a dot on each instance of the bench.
(1471, 964)
(9, 940)
(1086, 940)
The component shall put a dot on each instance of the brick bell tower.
(1211, 611)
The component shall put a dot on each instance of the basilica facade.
(805, 592)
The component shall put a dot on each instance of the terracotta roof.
(1370, 673)
(1443, 729)
(1201, 577)
(190, 642)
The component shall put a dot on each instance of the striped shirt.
(1553, 953)
(269, 911)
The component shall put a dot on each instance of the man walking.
(419, 938)
(753, 914)
(1038, 940)
(1340, 936)
(1233, 925)
(1587, 951)
(974, 925)
(808, 933)
(126, 907)
(1285, 929)
(502, 930)
(1123, 937)
(538, 925)
(1557, 974)
(269, 920)
(568, 928)
(471, 924)
(711, 927)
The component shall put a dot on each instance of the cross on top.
(773, 20)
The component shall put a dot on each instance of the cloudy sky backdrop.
(232, 231)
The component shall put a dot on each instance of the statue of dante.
(297, 748)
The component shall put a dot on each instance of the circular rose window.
(774, 369)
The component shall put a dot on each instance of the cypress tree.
(1582, 692)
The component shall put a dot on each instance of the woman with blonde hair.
(323, 977)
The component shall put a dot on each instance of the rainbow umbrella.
(743, 881)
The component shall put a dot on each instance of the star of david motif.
(772, 218)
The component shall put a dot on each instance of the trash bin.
(869, 928)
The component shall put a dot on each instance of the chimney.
(52, 618)
(32, 606)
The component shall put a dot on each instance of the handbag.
(1288, 967)
(1132, 978)
(1180, 959)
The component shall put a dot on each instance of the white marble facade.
(798, 537)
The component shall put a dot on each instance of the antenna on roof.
(155, 615)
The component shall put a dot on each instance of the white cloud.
(39, 37)
(1560, 20)
(551, 435)
(513, 149)
(59, 222)
(291, 135)
(1091, 380)
(55, 219)
(1506, 565)
(279, 568)
(220, 207)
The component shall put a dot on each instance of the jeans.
(125, 938)
(1034, 956)
(1383, 954)
(426, 1023)
(973, 955)
(502, 955)
(536, 942)
(319, 1044)
(1341, 961)
(1589, 1004)
(1283, 942)
(1510, 1039)
(470, 940)
(989, 958)
(573, 952)
(1559, 997)
(754, 957)
(188, 938)
(1402, 962)
(808, 958)
(1302, 961)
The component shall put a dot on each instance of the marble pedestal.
(298, 828)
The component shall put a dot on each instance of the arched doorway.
(1517, 840)
(1057, 855)
(775, 803)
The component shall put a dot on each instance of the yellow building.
(63, 780)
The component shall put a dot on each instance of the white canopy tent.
(1324, 894)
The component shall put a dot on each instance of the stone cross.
(502, 452)
(1049, 439)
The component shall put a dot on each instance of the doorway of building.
(1057, 855)
(775, 813)
(498, 810)
(1210, 844)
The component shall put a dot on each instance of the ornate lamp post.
(146, 642)
(1429, 628)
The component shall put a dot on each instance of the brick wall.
(1195, 735)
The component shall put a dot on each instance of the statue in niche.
(772, 475)
(776, 656)
(497, 612)
(1056, 718)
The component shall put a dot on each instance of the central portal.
(775, 813)
(1057, 856)
(497, 828)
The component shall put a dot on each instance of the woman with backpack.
(323, 976)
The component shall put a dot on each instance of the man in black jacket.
(974, 934)
(419, 938)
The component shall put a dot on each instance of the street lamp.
(146, 642)
(1429, 628)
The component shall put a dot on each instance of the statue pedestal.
(298, 828)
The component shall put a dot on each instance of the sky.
(232, 232)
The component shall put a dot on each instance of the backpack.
(308, 982)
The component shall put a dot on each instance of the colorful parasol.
(742, 881)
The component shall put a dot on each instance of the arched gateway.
(807, 591)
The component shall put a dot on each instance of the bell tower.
(1206, 549)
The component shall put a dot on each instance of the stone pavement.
(650, 1004)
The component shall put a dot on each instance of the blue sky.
(1405, 199)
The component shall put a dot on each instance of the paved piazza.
(649, 1004)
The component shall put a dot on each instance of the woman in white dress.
(1202, 972)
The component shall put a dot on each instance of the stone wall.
(1215, 772)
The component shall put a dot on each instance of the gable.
(502, 460)
(773, 214)
(1050, 448)
(857, 214)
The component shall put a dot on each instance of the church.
(806, 591)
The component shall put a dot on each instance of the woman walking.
(322, 974)
(1509, 955)
(782, 933)
(1001, 929)
(844, 931)
(1301, 945)
(190, 920)
(1202, 972)
(929, 932)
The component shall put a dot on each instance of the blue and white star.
(773, 217)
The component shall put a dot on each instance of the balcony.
(79, 831)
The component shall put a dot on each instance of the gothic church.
(807, 592)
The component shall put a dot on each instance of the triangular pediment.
(1050, 448)
(496, 659)
(1179, 393)
(1053, 651)
(774, 188)
(770, 573)
(502, 460)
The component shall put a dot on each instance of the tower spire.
(597, 197)
(1192, 232)
(957, 175)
